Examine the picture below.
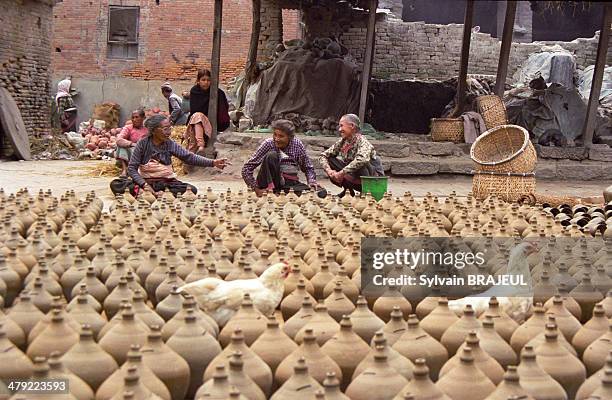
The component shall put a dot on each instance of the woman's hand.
(200, 150)
(259, 192)
(221, 163)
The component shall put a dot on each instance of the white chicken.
(515, 301)
(221, 299)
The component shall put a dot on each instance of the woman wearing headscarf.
(150, 166)
(199, 129)
(129, 136)
(66, 112)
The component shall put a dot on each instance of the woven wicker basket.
(508, 187)
(492, 110)
(447, 130)
(504, 149)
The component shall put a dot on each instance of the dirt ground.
(61, 176)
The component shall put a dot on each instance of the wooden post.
(465, 57)
(367, 60)
(251, 63)
(506, 45)
(215, 61)
(600, 63)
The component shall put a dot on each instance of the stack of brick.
(271, 33)
(25, 57)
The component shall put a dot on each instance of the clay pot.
(587, 295)
(482, 360)
(240, 380)
(127, 332)
(88, 360)
(11, 279)
(594, 381)
(537, 382)
(396, 326)
(568, 301)
(93, 285)
(439, 319)
(504, 325)
(605, 390)
(397, 361)
(415, 343)
(57, 336)
(299, 319)
(320, 280)
(347, 349)
(331, 386)
(133, 388)
(607, 304)
(595, 328)
(365, 322)
(148, 378)
(494, 345)
(529, 329)
(84, 314)
(421, 386)
(293, 302)
(323, 326)
(318, 362)
(165, 287)
(466, 381)
(218, 387)
(13, 332)
(566, 322)
(14, 364)
(273, 345)
(113, 300)
(455, 335)
(89, 299)
(367, 384)
(551, 327)
(41, 373)
(595, 354)
(170, 306)
(25, 314)
(249, 319)
(142, 310)
(348, 287)
(384, 305)
(254, 366)
(561, 365)
(510, 387)
(189, 307)
(77, 386)
(300, 385)
(338, 304)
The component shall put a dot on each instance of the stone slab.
(437, 149)
(546, 170)
(414, 167)
(13, 126)
(606, 139)
(392, 149)
(586, 170)
(600, 152)
(562, 153)
(462, 166)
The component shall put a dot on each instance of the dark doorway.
(566, 21)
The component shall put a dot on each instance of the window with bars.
(123, 32)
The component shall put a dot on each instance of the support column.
(506, 45)
(465, 56)
(367, 61)
(600, 63)
(251, 63)
(215, 61)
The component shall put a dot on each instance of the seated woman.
(280, 158)
(199, 129)
(128, 137)
(350, 157)
(150, 166)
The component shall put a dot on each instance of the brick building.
(124, 49)
(25, 58)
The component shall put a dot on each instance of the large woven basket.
(492, 110)
(447, 130)
(504, 149)
(509, 187)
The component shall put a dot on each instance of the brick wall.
(291, 28)
(431, 51)
(25, 31)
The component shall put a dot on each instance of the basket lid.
(494, 131)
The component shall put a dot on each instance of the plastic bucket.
(375, 185)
